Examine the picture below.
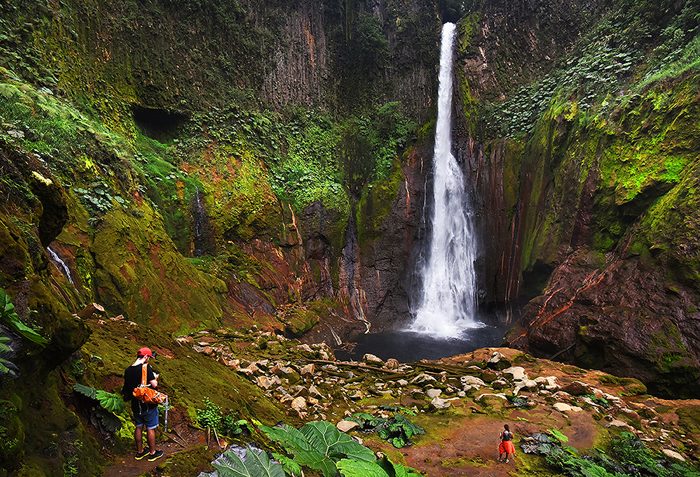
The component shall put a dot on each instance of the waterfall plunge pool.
(410, 346)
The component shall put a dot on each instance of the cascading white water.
(60, 264)
(448, 303)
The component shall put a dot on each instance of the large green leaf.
(318, 445)
(291, 467)
(85, 390)
(360, 468)
(255, 464)
(401, 471)
(303, 451)
(111, 402)
(8, 315)
(324, 436)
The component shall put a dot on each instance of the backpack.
(146, 394)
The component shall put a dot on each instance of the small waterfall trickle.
(447, 305)
(199, 217)
(60, 264)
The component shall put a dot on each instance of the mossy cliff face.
(585, 173)
(190, 165)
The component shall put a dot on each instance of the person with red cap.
(145, 415)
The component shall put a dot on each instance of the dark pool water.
(409, 346)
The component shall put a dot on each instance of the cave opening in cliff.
(160, 124)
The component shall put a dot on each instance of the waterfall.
(60, 264)
(448, 300)
(199, 218)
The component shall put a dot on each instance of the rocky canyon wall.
(577, 163)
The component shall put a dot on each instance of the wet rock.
(548, 382)
(250, 370)
(263, 382)
(492, 395)
(281, 371)
(299, 390)
(673, 454)
(308, 370)
(438, 403)
(488, 376)
(517, 373)
(372, 359)
(619, 424)
(357, 395)
(422, 379)
(472, 381)
(392, 364)
(184, 340)
(305, 348)
(498, 361)
(563, 407)
(577, 388)
(313, 391)
(299, 404)
(286, 398)
(433, 393)
(233, 363)
(346, 426)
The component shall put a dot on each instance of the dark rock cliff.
(579, 131)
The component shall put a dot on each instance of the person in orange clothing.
(506, 448)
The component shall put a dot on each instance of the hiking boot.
(155, 456)
(141, 455)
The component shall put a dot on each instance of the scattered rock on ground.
(346, 426)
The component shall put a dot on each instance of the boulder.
(472, 381)
(422, 379)
(433, 393)
(563, 407)
(313, 391)
(498, 361)
(673, 454)
(438, 403)
(308, 370)
(305, 348)
(488, 376)
(299, 404)
(372, 359)
(547, 382)
(346, 426)
(577, 388)
(619, 424)
(264, 382)
(392, 364)
(517, 373)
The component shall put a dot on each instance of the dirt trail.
(127, 466)
(470, 448)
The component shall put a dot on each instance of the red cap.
(145, 352)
